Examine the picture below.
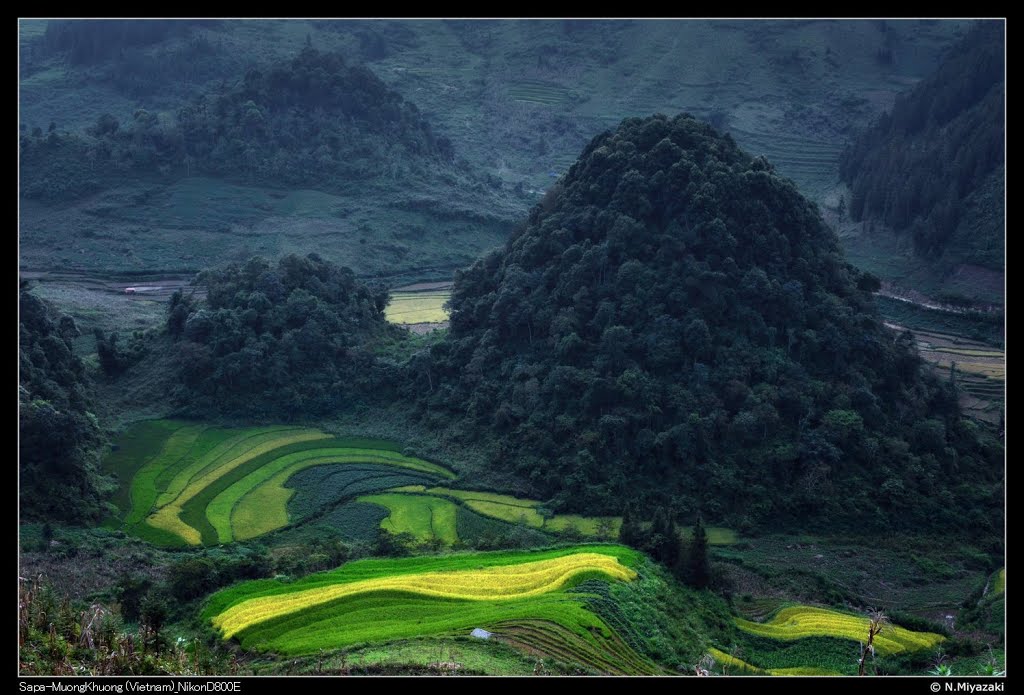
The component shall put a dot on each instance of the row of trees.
(662, 540)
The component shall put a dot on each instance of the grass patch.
(999, 582)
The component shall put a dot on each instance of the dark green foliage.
(324, 486)
(311, 119)
(698, 567)
(630, 530)
(661, 541)
(917, 623)
(387, 544)
(285, 341)
(59, 437)
(195, 577)
(677, 324)
(984, 612)
(659, 618)
(323, 552)
(314, 121)
(114, 356)
(918, 166)
(351, 522)
(153, 612)
(57, 167)
(178, 310)
(822, 652)
(192, 578)
(130, 592)
(986, 327)
(484, 533)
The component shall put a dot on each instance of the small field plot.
(425, 517)
(418, 307)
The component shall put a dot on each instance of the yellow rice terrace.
(541, 601)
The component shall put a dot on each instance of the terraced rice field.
(980, 370)
(193, 484)
(519, 596)
(812, 164)
(538, 92)
(190, 484)
(418, 307)
(798, 622)
(516, 510)
(729, 664)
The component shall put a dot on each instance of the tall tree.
(700, 568)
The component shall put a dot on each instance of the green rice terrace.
(191, 484)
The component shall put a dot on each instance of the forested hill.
(675, 323)
(59, 437)
(282, 340)
(934, 167)
(315, 121)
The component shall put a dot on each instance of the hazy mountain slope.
(931, 170)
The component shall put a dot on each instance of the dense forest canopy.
(919, 168)
(280, 340)
(313, 121)
(58, 435)
(675, 323)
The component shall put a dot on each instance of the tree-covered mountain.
(58, 435)
(675, 323)
(933, 166)
(280, 340)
